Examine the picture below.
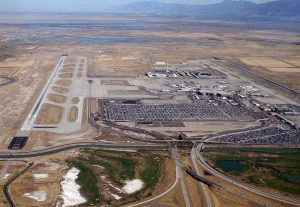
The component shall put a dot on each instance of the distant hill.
(227, 8)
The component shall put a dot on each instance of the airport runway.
(29, 122)
(78, 88)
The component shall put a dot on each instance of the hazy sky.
(79, 5)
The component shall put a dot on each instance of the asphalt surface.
(78, 88)
(29, 122)
(203, 186)
(182, 184)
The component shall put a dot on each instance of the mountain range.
(225, 9)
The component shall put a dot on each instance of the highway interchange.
(196, 158)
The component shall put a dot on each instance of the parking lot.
(200, 110)
(270, 135)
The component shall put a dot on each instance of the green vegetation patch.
(274, 183)
(274, 169)
(88, 182)
(150, 174)
(117, 167)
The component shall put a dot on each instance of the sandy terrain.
(71, 190)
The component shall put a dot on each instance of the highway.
(78, 146)
(182, 184)
(178, 168)
(252, 189)
(179, 178)
(196, 157)
(203, 186)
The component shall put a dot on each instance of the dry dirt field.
(272, 64)
(60, 89)
(42, 180)
(66, 75)
(75, 100)
(294, 61)
(64, 83)
(73, 114)
(49, 114)
(13, 167)
(2, 80)
(57, 98)
(118, 66)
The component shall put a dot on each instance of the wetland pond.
(231, 165)
(291, 178)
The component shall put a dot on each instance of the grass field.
(90, 188)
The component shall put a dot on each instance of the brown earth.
(75, 100)
(73, 114)
(60, 89)
(49, 114)
(63, 83)
(65, 75)
(57, 98)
